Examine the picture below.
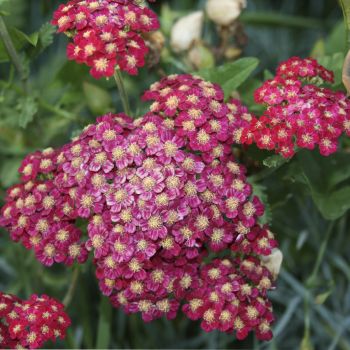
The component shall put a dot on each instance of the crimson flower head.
(196, 110)
(106, 33)
(299, 113)
(156, 202)
(31, 323)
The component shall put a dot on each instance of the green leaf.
(46, 34)
(246, 91)
(18, 42)
(333, 205)
(31, 39)
(335, 63)
(230, 75)
(98, 100)
(27, 108)
(44, 38)
(38, 40)
(336, 41)
(324, 178)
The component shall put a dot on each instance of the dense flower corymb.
(155, 207)
(31, 323)
(298, 112)
(106, 33)
(196, 111)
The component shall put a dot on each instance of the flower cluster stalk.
(11, 50)
(122, 91)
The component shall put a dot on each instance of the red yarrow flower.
(31, 323)
(106, 34)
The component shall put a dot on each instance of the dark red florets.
(31, 323)
(299, 113)
(106, 33)
(155, 204)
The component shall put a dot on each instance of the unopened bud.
(186, 31)
(201, 57)
(273, 262)
(224, 12)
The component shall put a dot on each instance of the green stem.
(104, 324)
(60, 112)
(11, 50)
(123, 95)
(345, 6)
(312, 279)
(306, 342)
(70, 293)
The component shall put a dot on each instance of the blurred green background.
(306, 199)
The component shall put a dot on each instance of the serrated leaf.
(46, 35)
(231, 75)
(38, 40)
(275, 161)
(98, 100)
(27, 108)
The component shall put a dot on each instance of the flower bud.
(224, 12)
(186, 31)
(273, 262)
(201, 57)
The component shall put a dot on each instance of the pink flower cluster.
(155, 208)
(30, 323)
(41, 215)
(197, 111)
(299, 113)
(106, 33)
(233, 298)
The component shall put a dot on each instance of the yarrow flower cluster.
(106, 33)
(196, 111)
(41, 215)
(299, 113)
(155, 208)
(30, 323)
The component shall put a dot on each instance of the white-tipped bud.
(273, 262)
(186, 31)
(225, 12)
